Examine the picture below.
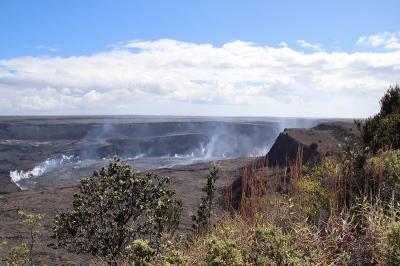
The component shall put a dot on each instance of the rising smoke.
(173, 142)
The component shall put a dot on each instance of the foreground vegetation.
(343, 210)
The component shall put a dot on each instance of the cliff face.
(285, 149)
(323, 139)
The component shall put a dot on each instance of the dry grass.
(352, 233)
(273, 201)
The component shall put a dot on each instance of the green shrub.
(114, 207)
(386, 165)
(172, 253)
(314, 199)
(140, 252)
(223, 253)
(19, 255)
(390, 102)
(381, 130)
(313, 195)
(270, 246)
(393, 244)
(385, 173)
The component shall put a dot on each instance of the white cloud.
(388, 40)
(283, 44)
(172, 77)
(43, 47)
(314, 46)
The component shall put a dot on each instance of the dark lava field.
(56, 151)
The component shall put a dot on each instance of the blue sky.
(42, 43)
(83, 27)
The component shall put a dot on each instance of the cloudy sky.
(225, 58)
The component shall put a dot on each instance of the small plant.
(140, 252)
(202, 221)
(312, 196)
(393, 244)
(113, 208)
(270, 246)
(386, 166)
(171, 252)
(222, 253)
(23, 254)
(19, 255)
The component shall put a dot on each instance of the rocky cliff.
(325, 138)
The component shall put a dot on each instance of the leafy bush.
(236, 240)
(223, 253)
(346, 177)
(19, 255)
(390, 102)
(140, 252)
(386, 166)
(313, 198)
(270, 246)
(114, 207)
(171, 252)
(382, 129)
(393, 244)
